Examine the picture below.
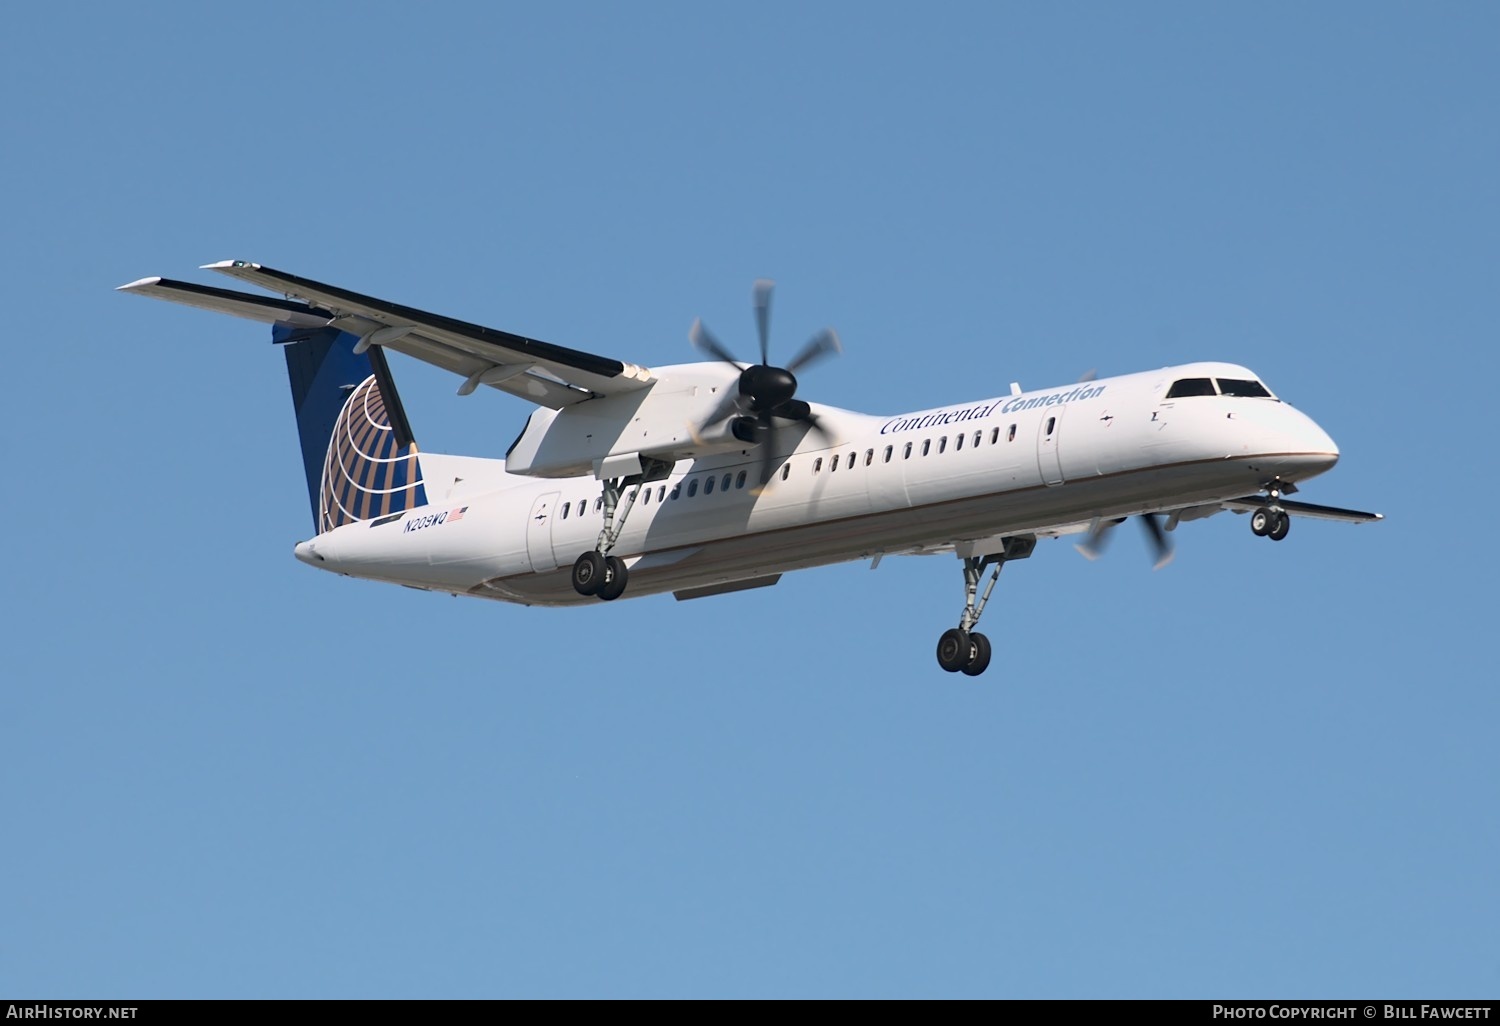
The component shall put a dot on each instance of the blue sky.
(1267, 770)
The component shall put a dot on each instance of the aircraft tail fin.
(357, 448)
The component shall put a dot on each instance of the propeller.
(764, 393)
(1092, 547)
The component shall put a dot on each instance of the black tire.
(1279, 529)
(1261, 522)
(979, 659)
(618, 576)
(589, 574)
(954, 650)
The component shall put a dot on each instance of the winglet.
(139, 283)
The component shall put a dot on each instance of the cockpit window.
(1191, 386)
(1254, 389)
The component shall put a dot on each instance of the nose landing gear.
(1271, 521)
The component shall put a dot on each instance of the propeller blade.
(1092, 546)
(766, 436)
(812, 420)
(824, 343)
(703, 339)
(761, 296)
(727, 405)
(1161, 548)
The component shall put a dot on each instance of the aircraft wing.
(546, 374)
(1252, 503)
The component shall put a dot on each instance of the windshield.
(1241, 387)
(1230, 386)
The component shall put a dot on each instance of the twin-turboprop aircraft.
(707, 478)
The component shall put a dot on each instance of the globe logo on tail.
(366, 475)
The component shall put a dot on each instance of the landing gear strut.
(597, 572)
(962, 649)
(1271, 521)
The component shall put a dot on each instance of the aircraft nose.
(1318, 450)
(1321, 442)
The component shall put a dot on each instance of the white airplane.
(707, 478)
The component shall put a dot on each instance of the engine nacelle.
(661, 422)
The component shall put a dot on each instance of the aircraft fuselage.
(965, 477)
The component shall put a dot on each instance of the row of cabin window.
(908, 449)
(738, 480)
(728, 481)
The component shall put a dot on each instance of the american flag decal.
(457, 514)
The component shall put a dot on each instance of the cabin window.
(1249, 389)
(647, 497)
(692, 488)
(833, 464)
(869, 456)
(1012, 436)
(942, 445)
(977, 436)
(926, 446)
(739, 482)
(786, 470)
(661, 495)
(708, 486)
(994, 435)
(850, 464)
(958, 443)
(676, 491)
(1191, 386)
(565, 510)
(817, 464)
(1051, 423)
(598, 504)
(724, 482)
(907, 454)
(888, 451)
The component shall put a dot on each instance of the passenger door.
(1048, 457)
(539, 533)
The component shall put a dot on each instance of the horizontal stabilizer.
(228, 301)
(1251, 503)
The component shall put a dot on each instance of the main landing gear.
(962, 649)
(597, 572)
(1271, 521)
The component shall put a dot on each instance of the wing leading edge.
(541, 372)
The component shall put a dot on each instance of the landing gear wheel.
(979, 655)
(954, 650)
(589, 573)
(1261, 522)
(617, 577)
(1279, 527)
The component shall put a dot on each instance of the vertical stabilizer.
(357, 449)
